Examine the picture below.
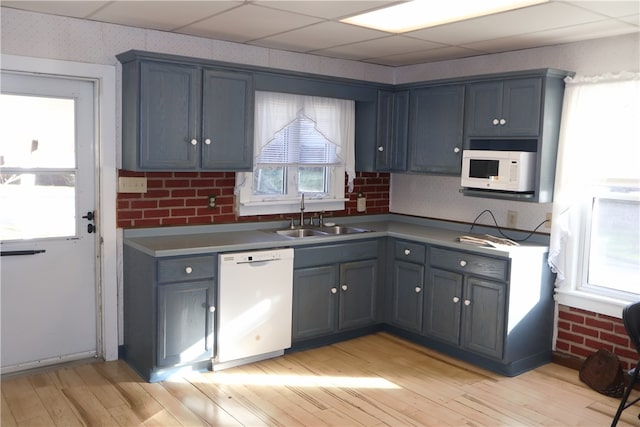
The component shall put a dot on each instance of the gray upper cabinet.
(504, 108)
(436, 129)
(391, 131)
(185, 117)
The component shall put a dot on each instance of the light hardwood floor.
(378, 380)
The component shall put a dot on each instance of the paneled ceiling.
(314, 27)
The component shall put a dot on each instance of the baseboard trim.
(567, 360)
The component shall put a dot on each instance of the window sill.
(293, 206)
(591, 302)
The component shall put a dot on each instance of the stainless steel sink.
(343, 229)
(301, 232)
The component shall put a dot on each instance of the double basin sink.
(310, 231)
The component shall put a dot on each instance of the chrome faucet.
(302, 211)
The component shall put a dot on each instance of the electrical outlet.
(131, 184)
(512, 219)
(548, 218)
(211, 202)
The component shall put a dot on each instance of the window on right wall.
(595, 233)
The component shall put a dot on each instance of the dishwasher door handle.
(258, 263)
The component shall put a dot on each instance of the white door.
(48, 291)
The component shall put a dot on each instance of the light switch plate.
(129, 184)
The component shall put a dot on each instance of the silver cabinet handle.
(456, 150)
(407, 251)
(344, 287)
(456, 300)
(381, 149)
(188, 269)
(207, 141)
(463, 263)
(334, 290)
(503, 122)
(467, 302)
(496, 122)
(418, 289)
(212, 309)
(194, 141)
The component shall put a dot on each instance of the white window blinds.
(299, 144)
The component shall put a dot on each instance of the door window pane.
(37, 167)
(37, 132)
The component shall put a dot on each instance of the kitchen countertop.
(176, 241)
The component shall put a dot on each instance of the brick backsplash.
(180, 198)
(581, 333)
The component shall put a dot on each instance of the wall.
(581, 333)
(45, 36)
(180, 198)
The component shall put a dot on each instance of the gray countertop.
(178, 241)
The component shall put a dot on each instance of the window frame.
(603, 191)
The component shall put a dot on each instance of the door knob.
(194, 141)
(91, 228)
(89, 216)
(344, 287)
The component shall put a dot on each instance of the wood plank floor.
(378, 380)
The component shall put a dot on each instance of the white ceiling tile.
(319, 36)
(526, 20)
(247, 23)
(610, 7)
(601, 29)
(432, 55)
(327, 9)
(160, 15)
(76, 9)
(386, 46)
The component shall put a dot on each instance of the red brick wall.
(180, 198)
(581, 333)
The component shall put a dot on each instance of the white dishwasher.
(255, 297)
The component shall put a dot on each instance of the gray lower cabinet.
(334, 289)
(169, 312)
(466, 300)
(407, 284)
(466, 311)
(185, 117)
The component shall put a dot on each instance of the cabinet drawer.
(188, 268)
(412, 252)
(468, 263)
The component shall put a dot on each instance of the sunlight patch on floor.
(301, 380)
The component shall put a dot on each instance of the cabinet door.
(484, 317)
(185, 323)
(392, 128)
(443, 302)
(521, 107)
(436, 129)
(169, 116)
(315, 298)
(408, 282)
(357, 294)
(483, 109)
(227, 121)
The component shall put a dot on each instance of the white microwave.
(499, 170)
